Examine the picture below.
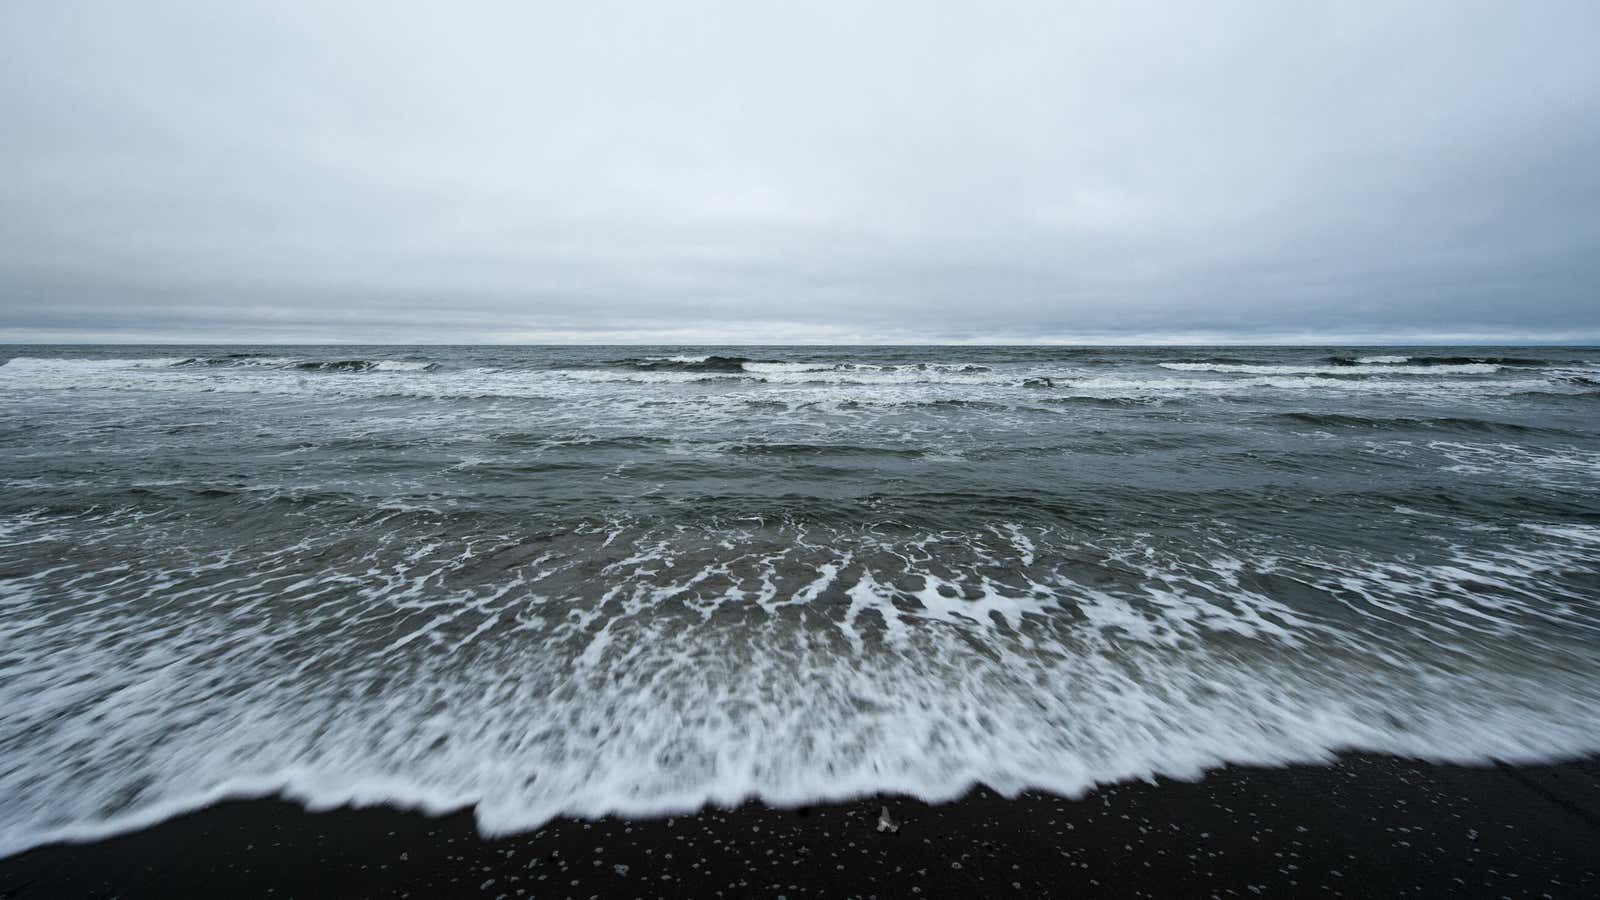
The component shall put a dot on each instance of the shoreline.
(1365, 825)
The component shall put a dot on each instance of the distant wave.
(226, 361)
(746, 365)
(687, 363)
(1339, 370)
(1520, 361)
(710, 368)
(313, 365)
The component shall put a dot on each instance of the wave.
(1338, 370)
(230, 359)
(1108, 402)
(578, 441)
(1555, 396)
(956, 368)
(800, 375)
(1517, 361)
(39, 364)
(235, 360)
(364, 365)
(780, 449)
(685, 363)
(740, 365)
(31, 364)
(1403, 423)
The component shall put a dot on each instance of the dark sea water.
(639, 579)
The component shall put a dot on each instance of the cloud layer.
(799, 172)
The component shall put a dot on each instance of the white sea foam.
(783, 368)
(811, 373)
(402, 365)
(1383, 360)
(1365, 369)
(23, 366)
(1558, 467)
(709, 666)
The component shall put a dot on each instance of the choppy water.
(639, 579)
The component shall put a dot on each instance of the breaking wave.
(1340, 370)
(225, 361)
(688, 364)
(635, 667)
(1520, 361)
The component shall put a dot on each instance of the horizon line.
(1436, 342)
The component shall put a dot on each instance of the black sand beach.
(1367, 826)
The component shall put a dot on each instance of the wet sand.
(1365, 827)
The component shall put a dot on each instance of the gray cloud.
(766, 172)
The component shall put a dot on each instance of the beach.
(1365, 826)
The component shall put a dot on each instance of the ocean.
(636, 580)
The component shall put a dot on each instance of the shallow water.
(635, 579)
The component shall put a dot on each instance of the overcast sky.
(772, 172)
